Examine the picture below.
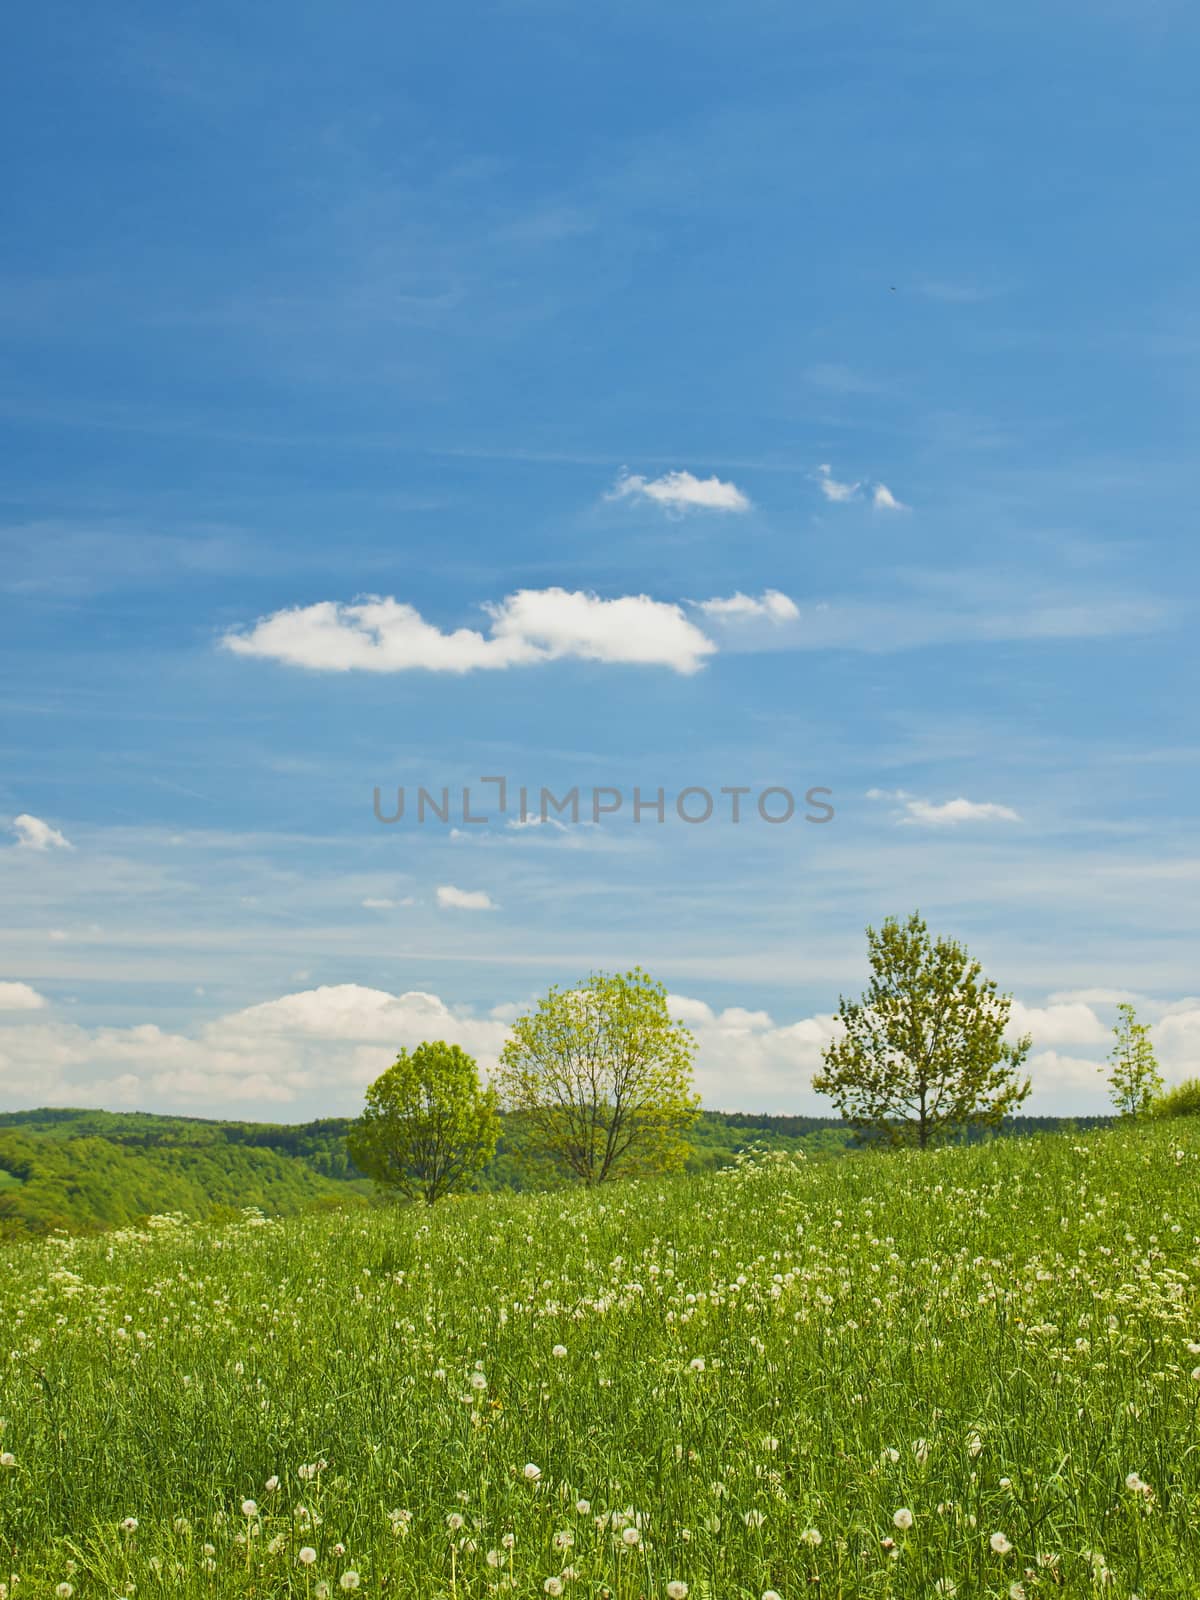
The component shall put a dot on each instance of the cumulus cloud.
(681, 491)
(313, 1051)
(382, 634)
(830, 487)
(770, 606)
(20, 997)
(320, 1046)
(1062, 1083)
(884, 500)
(464, 899)
(1176, 1037)
(746, 1061)
(34, 834)
(1067, 1022)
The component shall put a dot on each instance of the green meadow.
(970, 1371)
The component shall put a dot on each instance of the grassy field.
(966, 1372)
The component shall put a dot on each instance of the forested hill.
(85, 1170)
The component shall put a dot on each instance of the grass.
(660, 1384)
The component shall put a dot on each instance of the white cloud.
(34, 834)
(681, 491)
(745, 1061)
(1063, 1084)
(320, 1045)
(1176, 1039)
(1069, 1022)
(951, 812)
(464, 899)
(925, 813)
(372, 904)
(839, 493)
(633, 628)
(884, 500)
(313, 1052)
(381, 634)
(20, 997)
(770, 605)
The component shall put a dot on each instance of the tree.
(923, 1051)
(598, 1079)
(428, 1128)
(1133, 1075)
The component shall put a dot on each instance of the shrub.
(1181, 1101)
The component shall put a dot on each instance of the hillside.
(84, 1170)
(84, 1182)
(966, 1371)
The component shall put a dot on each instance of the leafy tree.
(599, 1079)
(1133, 1076)
(428, 1128)
(923, 1052)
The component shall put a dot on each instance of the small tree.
(923, 1051)
(599, 1078)
(1133, 1076)
(428, 1128)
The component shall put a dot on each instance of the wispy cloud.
(884, 500)
(839, 493)
(34, 834)
(464, 899)
(832, 489)
(944, 814)
(771, 606)
(681, 491)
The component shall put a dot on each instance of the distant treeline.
(84, 1170)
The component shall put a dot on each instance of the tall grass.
(736, 1384)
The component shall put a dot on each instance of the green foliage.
(85, 1183)
(1133, 1076)
(97, 1169)
(717, 1138)
(1181, 1101)
(428, 1128)
(923, 1052)
(598, 1079)
(320, 1145)
(994, 1337)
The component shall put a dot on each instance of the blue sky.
(551, 327)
